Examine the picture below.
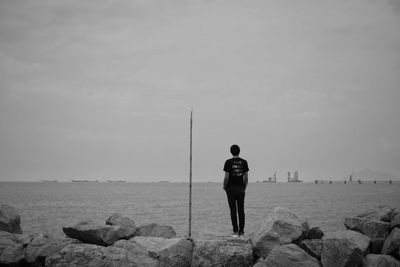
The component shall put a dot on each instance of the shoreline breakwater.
(282, 238)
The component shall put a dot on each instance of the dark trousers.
(236, 206)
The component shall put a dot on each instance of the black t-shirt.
(236, 167)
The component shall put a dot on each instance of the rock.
(357, 239)
(156, 230)
(119, 220)
(122, 253)
(381, 213)
(168, 251)
(11, 252)
(131, 245)
(228, 253)
(155, 244)
(345, 248)
(312, 247)
(395, 222)
(179, 254)
(279, 228)
(392, 244)
(374, 260)
(288, 256)
(137, 251)
(10, 220)
(371, 228)
(41, 247)
(314, 233)
(89, 232)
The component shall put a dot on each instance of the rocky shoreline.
(282, 239)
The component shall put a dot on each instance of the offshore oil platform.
(295, 178)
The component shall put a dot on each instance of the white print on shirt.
(237, 168)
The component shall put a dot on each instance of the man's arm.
(245, 179)
(226, 179)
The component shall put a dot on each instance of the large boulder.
(372, 228)
(10, 221)
(312, 247)
(11, 252)
(376, 260)
(168, 251)
(380, 213)
(122, 253)
(392, 244)
(92, 233)
(288, 256)
(344, 248)
(280, 227)
(156, 230)
(228, 253)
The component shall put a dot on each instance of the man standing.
(235, 183)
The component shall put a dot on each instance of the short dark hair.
(235, 150)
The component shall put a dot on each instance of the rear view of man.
(235, 183)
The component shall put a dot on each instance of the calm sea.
(47, 207)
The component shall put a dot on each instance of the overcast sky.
(103, 89)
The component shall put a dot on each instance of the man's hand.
(245, 180)
(225, 183)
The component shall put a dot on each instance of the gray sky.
(103, 89)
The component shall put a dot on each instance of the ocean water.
(47, 207)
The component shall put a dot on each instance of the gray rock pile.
(381, 225)
(119, 242)
(282, 239)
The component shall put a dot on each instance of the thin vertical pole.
(190, 176)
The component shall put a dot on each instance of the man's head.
(235, 150)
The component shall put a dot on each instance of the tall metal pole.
(190, 176)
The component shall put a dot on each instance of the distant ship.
(295, 178)
(49, 181)
(84, 181)
(163, 182)
(270, 179)
(116, 181)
